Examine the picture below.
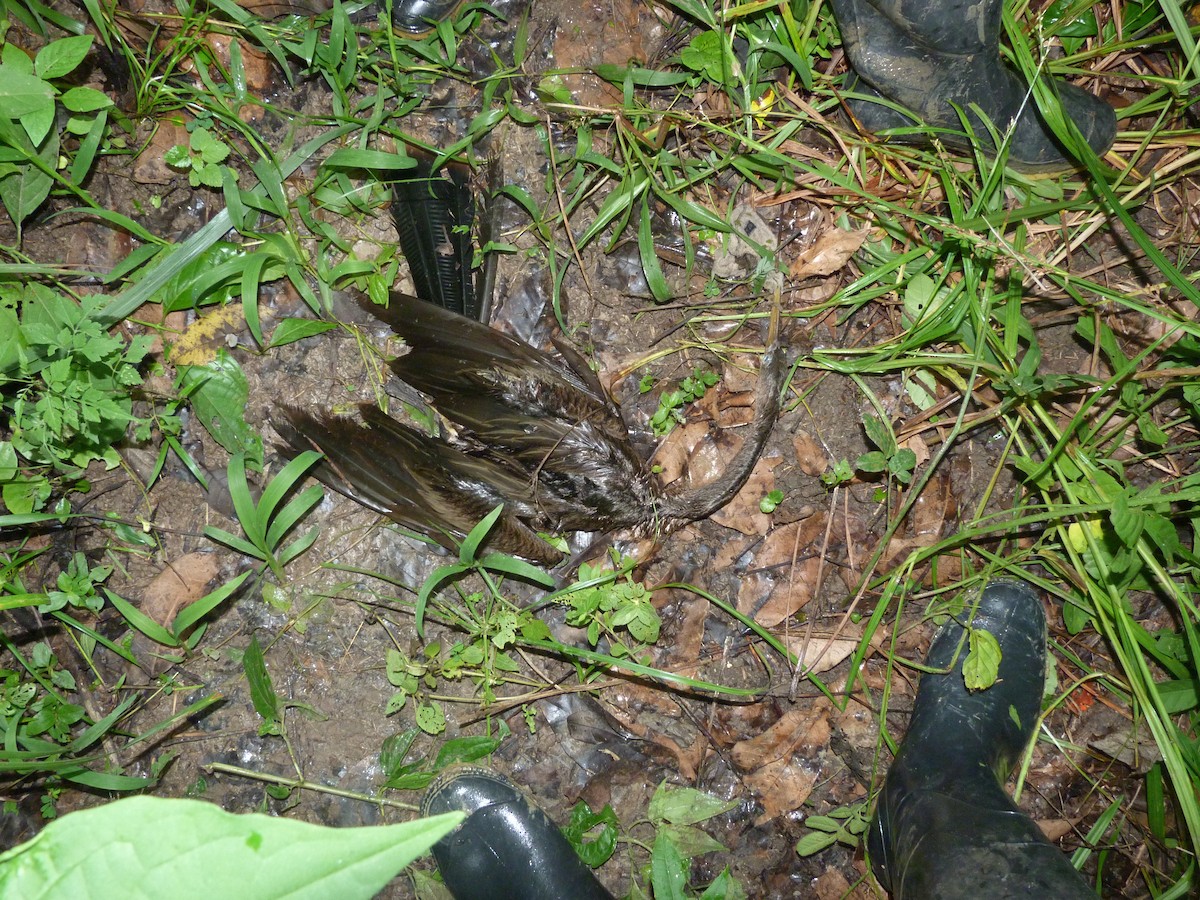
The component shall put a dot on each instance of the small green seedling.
(267, 522)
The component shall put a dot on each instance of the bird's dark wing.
(434, 215)
(452, 357)
(416, 480)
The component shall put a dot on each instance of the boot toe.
(507, 847)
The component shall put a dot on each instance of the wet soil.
(790, 753)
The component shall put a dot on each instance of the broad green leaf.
(85, 99)
(584, 822)
(725, 887)
(691, 841)
(291, 330)
(464, 750)
(23, 191)
(62, 56)
(814, 842)
(22, 94)
(982, 664)
(430, 718)
(685, 805)
(183, 849)
(218, 392)
(10, 340)
(668, 870)
(262, 691)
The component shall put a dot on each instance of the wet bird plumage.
(532, 433)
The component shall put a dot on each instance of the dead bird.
(535, 433)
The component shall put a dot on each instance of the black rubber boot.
(926, 55)
(507, 848)
(943, 826)
(420, 16)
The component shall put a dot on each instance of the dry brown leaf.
(739, 377)
(687, 635)
(182, 582)
(787, 588)
(742, 513)
(781, 787)
(917, 445)
(931, 510)
(258, 70)
(810, 455)
(776, 761)
(817, 654)
(150, 167)
(1054, 829)
(830, 885)
(795, 729)
(672, 454)
(829, 254)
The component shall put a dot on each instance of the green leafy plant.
(770, 502)
(898, 462)
(844, 825)
(608, 600)
(404, 772)
(673, 816)
(66, 382)
(671, 404)
(32, 94)
(269, 521)
(202, 158)
(188, 626)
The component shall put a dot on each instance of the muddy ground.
(789, 754)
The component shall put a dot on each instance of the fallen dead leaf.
(742, 513)
(920, 449)
(257, 67)
(786, 587)
(776, 760)
(810, 455)
(781, 787)
(1054, 829)
(829, 254)
(150, 166)
(183, 581)
(796, 728)
(817, 654)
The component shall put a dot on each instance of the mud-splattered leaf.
(685, 806)
(465, 750)
(430, 718)
(262, 691)
(218, 393)
(691, 841)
